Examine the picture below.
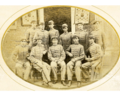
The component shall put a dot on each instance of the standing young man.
(99, 37)
(95, 61)
(36, 56)
(56, 55)
(43, 35)
(52, 32)
(31, 32)
(19, 55)
(83, 36)
(66, 39)
(77, 55)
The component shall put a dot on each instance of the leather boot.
(55, 81)
(63, 82)
(78, 84)
(69, 83)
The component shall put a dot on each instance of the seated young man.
(56, 55)
(22, 67)
(94, 61)
(36, 55)
(77, 54)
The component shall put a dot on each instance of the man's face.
(51, 26)
(91, 40)
(76, 40)
(33, 24)
(39, 42)
(55, 41)
(42, 27)
(65, 29)
(80, 26)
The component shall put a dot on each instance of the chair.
(87, 72)
(98, 70)
(35, 74)
(97, 73)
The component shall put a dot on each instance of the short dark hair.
(54, 38)
(91, 36)
(51, 22)
(64, 26)
(75, 36)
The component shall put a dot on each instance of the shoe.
(69, 83)
(44, 83)
(86, 80)
(55, 81)
(50, 84)
(78, 84)
(63, 82)
(92, 80)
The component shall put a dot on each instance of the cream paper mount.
(100, 15)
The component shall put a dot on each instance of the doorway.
(59, 15)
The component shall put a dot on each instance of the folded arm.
(50, 55)
(98, 54)
(81, 55)
(68, 51)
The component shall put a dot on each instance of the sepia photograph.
(60, 47)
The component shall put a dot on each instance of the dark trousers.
(67, 59)
(45, 59)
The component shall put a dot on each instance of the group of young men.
(67, 51)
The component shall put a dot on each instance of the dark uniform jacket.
(44, 36)
(53, 33)
(95, 51)
(66, 40)
(77, 50)
(20, 53)
(83, 39)
(56, 52)
(37, 52)
(30, 34)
